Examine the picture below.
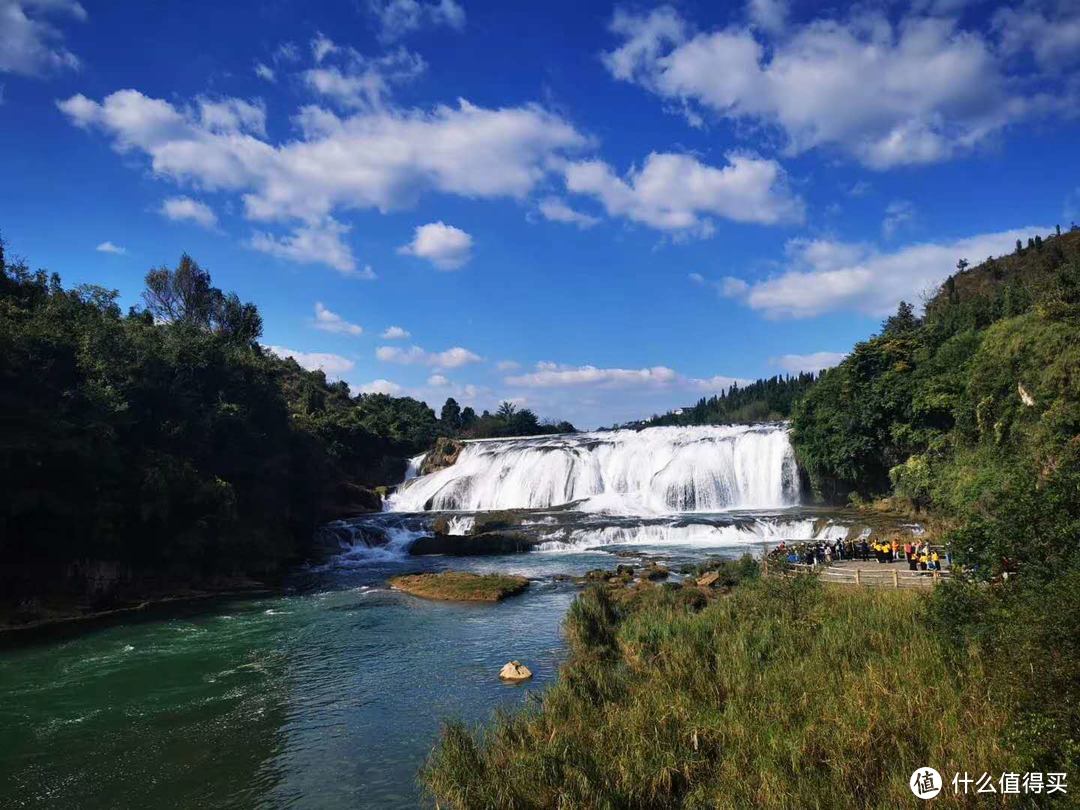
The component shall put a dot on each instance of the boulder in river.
(459, 545)
(515, 671)
(497, 521)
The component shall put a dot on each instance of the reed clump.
(779, 693)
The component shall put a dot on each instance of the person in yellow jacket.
(924, 560)
(935, 561)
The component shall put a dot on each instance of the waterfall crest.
(656, 470)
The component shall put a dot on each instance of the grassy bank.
(782, 693)
(461, 586)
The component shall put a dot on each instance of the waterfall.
(657, 470)
(412, 469)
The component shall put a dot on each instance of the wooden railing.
(887, 577)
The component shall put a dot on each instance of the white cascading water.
(769, 531)
(412, 469)
(652, 471)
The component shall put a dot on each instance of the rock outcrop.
(348, 499)
(515, 671)
(444, 454)
(468, 545)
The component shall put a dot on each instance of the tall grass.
(782, 694)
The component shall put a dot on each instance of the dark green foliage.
(468, 417)
(767, 400)
(508, 420)
(973, 411)
(166, 441)
(450, 415)
(165, 446)
(1030, 630)
(186, 296)
(974, 415)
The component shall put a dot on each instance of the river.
(331, 694)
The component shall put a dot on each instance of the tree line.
(766, 400)
(167, 441)
(508, 420)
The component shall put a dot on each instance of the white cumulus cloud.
(109, 247)
(395, 333)
(384, 160)
(329, 321)
(899, 214)
(445, 246)
(381, 386)
(679, 193)
(381, 158)
(414, 355)
(333, 365)
(828, 276)
(396, 18)
(30, 44)
(917, 90)
(357, 81)
(796, 363)
(556, 210)
(552, 375)
(317, 243)
(185, 209)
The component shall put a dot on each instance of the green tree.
(450, 415)
(468, 417)
(186, 296)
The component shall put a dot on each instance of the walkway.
(871, 573)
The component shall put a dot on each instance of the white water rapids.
(688, 487)
(652, 471)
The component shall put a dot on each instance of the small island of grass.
(461, 586)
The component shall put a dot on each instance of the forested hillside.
(166, 445)
(972, 410)
(765, 400)
(971, 414)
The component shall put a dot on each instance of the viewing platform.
(870, 573)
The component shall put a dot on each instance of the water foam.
(768, 531)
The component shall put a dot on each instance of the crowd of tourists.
(918, 555)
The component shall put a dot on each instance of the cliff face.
(444, 454)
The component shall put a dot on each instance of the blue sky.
(598, 210)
